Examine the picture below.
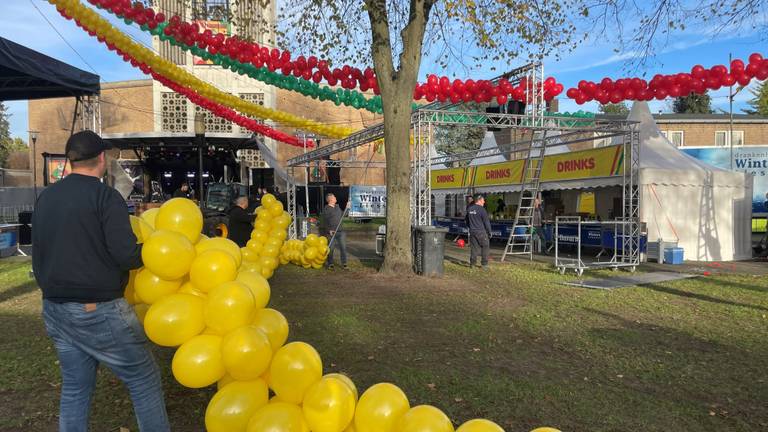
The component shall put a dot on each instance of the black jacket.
(240, 226)
(477, 219)
(331, 219)
(83, 245)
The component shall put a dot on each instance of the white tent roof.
(663, 163)
(489, 142)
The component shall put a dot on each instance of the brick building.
(705, 130)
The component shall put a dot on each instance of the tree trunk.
(397, 121)
(396, 87)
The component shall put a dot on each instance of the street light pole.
(33, 137)
(200, 135)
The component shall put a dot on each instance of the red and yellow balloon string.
(99, 27)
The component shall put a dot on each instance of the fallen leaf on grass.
(431, 386)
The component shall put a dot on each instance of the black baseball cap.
(85, 145)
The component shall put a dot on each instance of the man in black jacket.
(331, 228)
(240, 222)
(479, 232)
(83, 249)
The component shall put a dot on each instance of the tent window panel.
(722, 138)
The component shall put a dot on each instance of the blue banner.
(367, 201)
(750, 159)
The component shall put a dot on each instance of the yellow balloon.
(279, 233)
(212, 268)
(229, 306)
(311, 253)
(274, 241)
(180, 215)
(174, 319)
(220, 243)
(141, 229)
(268, 262)
(278, 417)
(224, 381)
(259, 288)
(141, 311)
(282, 221)
(424, 418)
(263, 214)
(480, 425)
(267, 273)
(276, 209)
(259, 236)
(312, 240)
(380, 408)
(267, 200)
(150, 288)
(323, 241)
(232, 407)
(150, 215)
(198, 363)
(295, 367)
(346, 380)
(168, 254)
(189, 288)
(273, 324)
(246, 352)
(251, 267)
(329, 405)
(249, 254)
(261, 225)
(255, 245)
(270, 251)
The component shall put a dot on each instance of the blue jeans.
(340, 243)
(111, 335)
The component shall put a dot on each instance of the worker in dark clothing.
(479, 232)
(83, 250)
(330, 227)
(240, 222)
(538, 226)
(183, 192)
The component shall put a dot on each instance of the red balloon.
(617, 96)
(762, 73)
(432, 79)
(559, 88)
(580, 100)
(460, 243)
(737, 65)
(455, 97)
(713, 83)
(755, 58)
(661, 94)
(549, 82)
(698, 71)
(675, 90)
(630, 94)
(467, 96)
(743, 79)
(728, 80)
(572, 93)
(751, 69)
(719, 70)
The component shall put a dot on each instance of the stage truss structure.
(569, 131)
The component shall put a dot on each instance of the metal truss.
(630, 229)
(290, 197)
(421, 193)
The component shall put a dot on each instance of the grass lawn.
(510, 344)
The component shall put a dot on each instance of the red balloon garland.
(317, 70)
(698, 81)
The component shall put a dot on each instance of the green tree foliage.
(8, 145)
(620, 108)
(759, 102)
(451, 140)
(693, 104)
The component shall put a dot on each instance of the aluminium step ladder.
(522, 243)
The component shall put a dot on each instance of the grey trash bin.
(429, 249)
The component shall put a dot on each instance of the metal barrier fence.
(10, 214)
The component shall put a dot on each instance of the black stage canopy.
(28, 74)
(176, 141)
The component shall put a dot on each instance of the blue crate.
(673, 255)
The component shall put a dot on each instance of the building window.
(722, 138)
(214, 123)
(675, 137)
(174, 112)
(256, 98)
(252, 158)
(210, 10)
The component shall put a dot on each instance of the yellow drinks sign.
(449, 178)
(600, 162)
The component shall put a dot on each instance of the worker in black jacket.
(83, 248)
(479, 232)
(240, 222)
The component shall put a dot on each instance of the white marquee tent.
(707, 210)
